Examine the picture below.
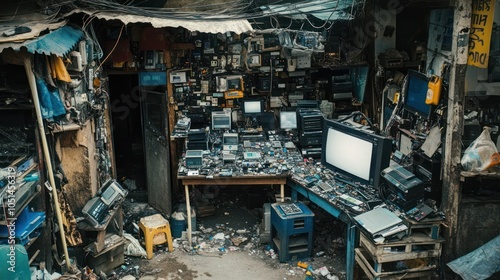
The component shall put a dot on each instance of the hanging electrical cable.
(235, 10)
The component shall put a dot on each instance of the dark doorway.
(125, 98)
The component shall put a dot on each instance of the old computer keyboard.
(290, 209)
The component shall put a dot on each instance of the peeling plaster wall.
(76, 150)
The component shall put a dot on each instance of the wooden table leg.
(188, 209)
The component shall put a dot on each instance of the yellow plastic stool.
(156, 231)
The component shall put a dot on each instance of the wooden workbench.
(246, 180)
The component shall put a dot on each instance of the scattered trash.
(238, 240)
(219, 236)
(130, 184)
(223, 238)
(43, 274)
(332, 277)
(136, 269)
(133, 248)
(322, 270)
(248, 246)
(302, 265)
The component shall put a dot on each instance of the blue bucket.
(177, 224)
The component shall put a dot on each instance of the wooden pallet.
(374, 270)
(431, 227)
(415, 246)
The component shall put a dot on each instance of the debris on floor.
(228, 227)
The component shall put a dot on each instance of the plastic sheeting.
(480, 263)
(237, 26)
(133, 247)
(50, 101)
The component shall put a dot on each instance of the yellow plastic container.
(434, 90)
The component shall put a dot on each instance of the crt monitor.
(416, 93)
(252, 107)
(288, 120)
(234, 83)
(355, 155)
(268, 121)
(112, 192)
(221, 120)
(230, 141)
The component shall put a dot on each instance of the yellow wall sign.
(480, 32)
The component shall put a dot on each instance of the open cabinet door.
(156, 145)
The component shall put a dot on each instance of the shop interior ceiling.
(238, 16)
(21, 21)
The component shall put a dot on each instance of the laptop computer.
(251, 155)
(377, 220)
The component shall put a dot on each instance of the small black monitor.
(252, 107)
(234, 83)
(221, 120)
(416, 92)
(268, 121)
(264, 84)
(288, 120)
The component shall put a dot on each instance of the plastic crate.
(292, 231)
(26, 226)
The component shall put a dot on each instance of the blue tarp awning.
(59, 42)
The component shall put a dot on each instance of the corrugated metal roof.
(59, 42)
(206, 25)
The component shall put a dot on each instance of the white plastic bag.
(481, 154)
(133, 247)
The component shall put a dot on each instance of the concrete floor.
(232, 265)
(211, 258)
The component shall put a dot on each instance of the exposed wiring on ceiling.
(228, 6)
(327, 20)
(199, 10)
(271, 18)
(50, 15)
(180, 13)
(116, 43)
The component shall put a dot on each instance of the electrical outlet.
(304, 61)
